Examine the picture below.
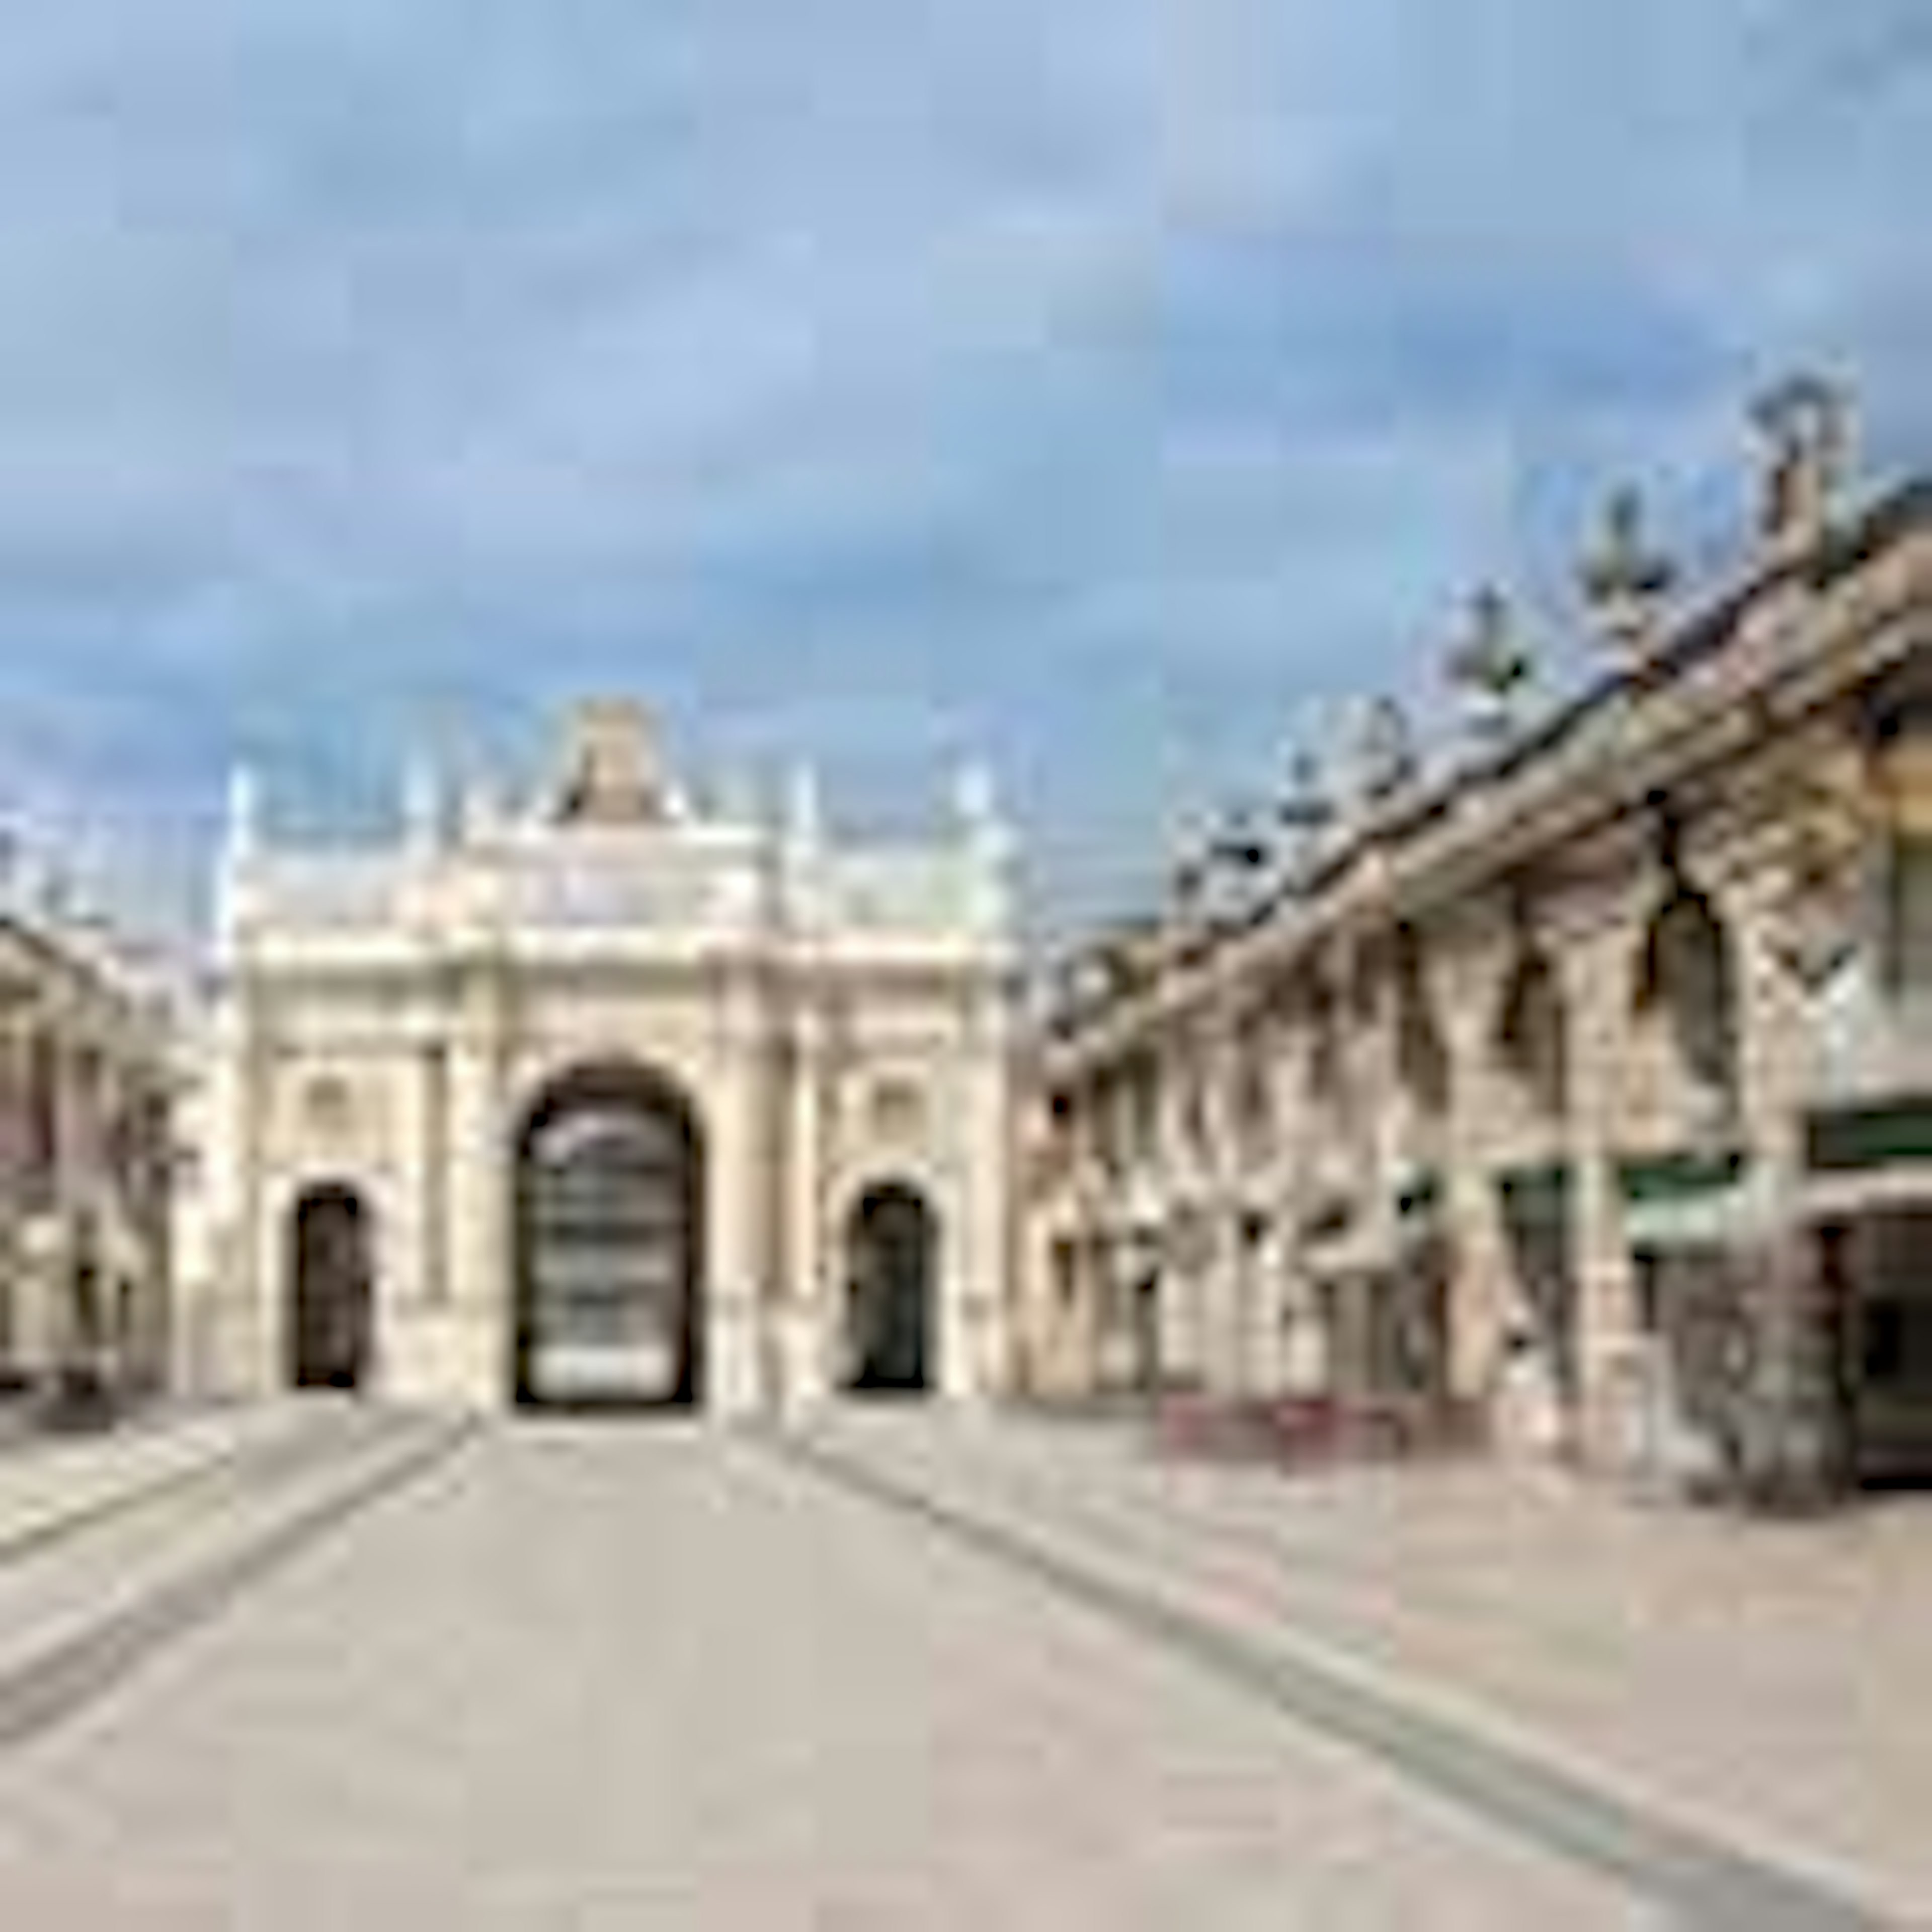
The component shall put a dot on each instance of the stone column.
(236, 1337)
(738, 1151)
(1298, 1342)
(1385, 1116)
(810, 1310)
(1793, 1445)
(471, 1362)
(35, 1308)
(1482, 1292)
(1226, 1312)
(431, 1345)
(1614, 1368)
(1192, 1296)
(972, 1340)
(433, 1154)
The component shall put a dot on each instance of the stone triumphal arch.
(607, 1061)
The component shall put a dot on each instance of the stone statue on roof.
(1805, 423)
(1626, 580)
(1490, 664)
(1382, 755)
(611, 772)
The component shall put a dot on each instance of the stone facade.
(86, 1148)
(1576, 1083)
(821, 1022)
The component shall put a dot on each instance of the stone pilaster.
(241, 1322)
(737, 1165)
(1614, 1361)
(439, 1334)
(1482, 1293)
(972, 1340)
(809, 1314)
(1226, 1319)
(473, 1314)
(413, 1257)
(1792, 1450)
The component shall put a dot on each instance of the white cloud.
(887, 372)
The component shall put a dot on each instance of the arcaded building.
(87, 1084)
(607, 1094)
(1572, 1075)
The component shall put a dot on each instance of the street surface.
(640, 1674)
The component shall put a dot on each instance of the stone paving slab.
(56, 1482)
(77, 1621)
(596, 1677)
(1767, 1680)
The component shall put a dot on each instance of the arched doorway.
(331, 1278)
(610, 1214)
(1530, 1035)
(892, 1247)
(1685, 968)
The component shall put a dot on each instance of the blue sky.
(1103, 385)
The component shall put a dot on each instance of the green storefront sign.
(1685, 1199)
(1850, 1140)
(1679, 1176)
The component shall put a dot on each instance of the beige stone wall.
(1748, 778)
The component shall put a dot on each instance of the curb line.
(1509, 1778)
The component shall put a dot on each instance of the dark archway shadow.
(892, 1246)
(331, 1288)
(608, 1251)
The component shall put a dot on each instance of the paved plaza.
(909, 1668)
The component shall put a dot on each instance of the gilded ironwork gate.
(610, 1211)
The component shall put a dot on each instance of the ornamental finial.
(1382, 750)
(1805, 422)
(1626, 580)
(1489, 663)
(244, 812)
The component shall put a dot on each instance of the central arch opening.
(609, 1215)
(892, 1244)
